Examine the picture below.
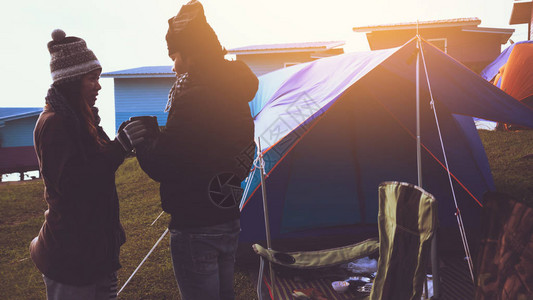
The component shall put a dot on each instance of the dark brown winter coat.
(81, 235)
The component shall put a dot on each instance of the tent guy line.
(458, 211)
(429, 152)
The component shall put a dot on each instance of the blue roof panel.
(289, 46)
(13, 113)
(144, 72)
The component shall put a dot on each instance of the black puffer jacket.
(206, 148)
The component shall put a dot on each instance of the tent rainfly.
(333, 129)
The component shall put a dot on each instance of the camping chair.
(407, 219)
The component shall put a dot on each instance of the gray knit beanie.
(70, 58)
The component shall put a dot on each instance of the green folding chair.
(407, 219)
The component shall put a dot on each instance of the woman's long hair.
(71, 90)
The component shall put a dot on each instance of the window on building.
(442, 44)
(290, 64)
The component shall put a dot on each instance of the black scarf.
(182, 82)
(59, 105)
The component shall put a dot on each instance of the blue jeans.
(203, 259)
(103, 288)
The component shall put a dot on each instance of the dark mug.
(150, 122)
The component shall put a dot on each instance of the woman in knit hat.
(202, 155)
(77, 248)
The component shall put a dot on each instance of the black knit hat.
(70, 58)
(190, 34)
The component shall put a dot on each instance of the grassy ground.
(22, 208)
(21, 216)
(510, 156)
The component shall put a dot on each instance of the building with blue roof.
(16, 139)
(473, 46)
(144, 90)
(263, 59)
(141, 91)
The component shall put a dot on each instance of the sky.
(127, 34)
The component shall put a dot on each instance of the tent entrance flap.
(323, 156)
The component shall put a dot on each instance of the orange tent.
(517, 73)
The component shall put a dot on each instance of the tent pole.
(434, 253)
(418, 143)
(265, 210)
(435, 266)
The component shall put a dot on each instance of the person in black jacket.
(202, 155)
(78, 246)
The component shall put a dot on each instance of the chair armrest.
(320, 258)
